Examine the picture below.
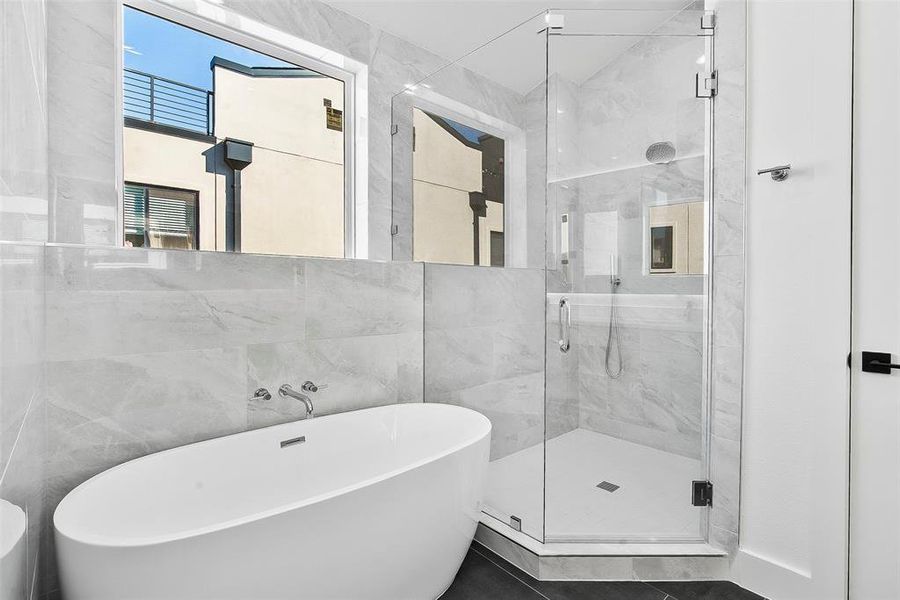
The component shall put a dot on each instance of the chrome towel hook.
(779, 173)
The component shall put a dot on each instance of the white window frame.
(229, 26)
(515, 200)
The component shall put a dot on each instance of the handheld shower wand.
(613, 333)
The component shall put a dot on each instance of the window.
(662, 248)
(234, 149)
(676, 238)
(160, 218)
(458, 192)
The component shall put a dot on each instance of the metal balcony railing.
(166, 102)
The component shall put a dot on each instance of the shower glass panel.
(469, 198)
(629, 166)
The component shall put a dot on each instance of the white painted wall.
(794, 475)
(875, 453)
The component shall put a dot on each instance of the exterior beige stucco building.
(449, 187)
(292, 197)
(180, 189)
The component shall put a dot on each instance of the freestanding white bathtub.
(374, 504)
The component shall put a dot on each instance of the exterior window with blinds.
(158, 217)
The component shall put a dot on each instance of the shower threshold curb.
(490, 528)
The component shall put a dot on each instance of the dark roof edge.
(218, 61)
(452, 131)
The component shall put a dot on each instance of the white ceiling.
(453, 28)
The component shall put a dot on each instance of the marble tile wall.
(81, 69)
(484, 348)
(23, 120)
(657, 399)
(727, 288)
(23, 227)
(22, 405)
(148, 350)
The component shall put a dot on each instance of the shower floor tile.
(652, 501)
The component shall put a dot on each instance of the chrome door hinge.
(708, 23)
(707, 84)
(515, 522)
(702, 493)
(394, 129)
(395, 229)
(556, 22)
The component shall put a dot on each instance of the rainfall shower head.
(660, 153)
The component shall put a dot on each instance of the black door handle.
(877, 362)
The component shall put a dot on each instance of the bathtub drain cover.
(607, 486)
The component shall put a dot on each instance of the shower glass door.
(629, 171)
(469, 198)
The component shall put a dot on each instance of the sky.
(165, 49)
(470, 133)
(162, 48)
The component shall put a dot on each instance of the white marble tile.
(593, 568)
(360, 372)
(359, 298)
(681, 568)
(456, 359)
(728, 302)
(22, 482)
(103, 302)
(153, 401)
(484, 345)
(81, 60)
(23, 121)
(314, 22)
(725, 474)
(460, 296)
(21, 337)
(515, 407)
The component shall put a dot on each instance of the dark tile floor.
(486, 576)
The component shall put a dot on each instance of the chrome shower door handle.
(778, 173)
(565, 321)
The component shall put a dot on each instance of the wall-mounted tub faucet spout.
(286, 391)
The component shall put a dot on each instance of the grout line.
(12, 451)
(668, 595)
(511, 574)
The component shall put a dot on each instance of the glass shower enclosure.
(583, 332)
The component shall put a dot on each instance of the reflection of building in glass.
(676, 238)
(458, 188)
(181, 191)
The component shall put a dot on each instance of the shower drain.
(607, 486)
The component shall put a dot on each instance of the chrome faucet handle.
(310, 387)
(261, 394)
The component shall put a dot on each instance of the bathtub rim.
(105, 541)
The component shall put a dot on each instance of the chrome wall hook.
(779, 173)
